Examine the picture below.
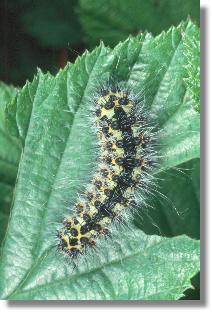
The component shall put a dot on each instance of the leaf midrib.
(75, 277)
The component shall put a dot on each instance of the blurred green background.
(47, 34)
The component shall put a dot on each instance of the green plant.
(113, 21)
(9, 158)
(45, 117)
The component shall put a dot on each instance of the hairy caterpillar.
(126, 157)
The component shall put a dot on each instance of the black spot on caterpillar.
(122, 165)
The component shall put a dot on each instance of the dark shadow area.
(25, 27)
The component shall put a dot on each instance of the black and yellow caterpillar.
(122, 162)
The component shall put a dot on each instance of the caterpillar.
(125, 158)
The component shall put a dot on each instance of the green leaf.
(9, 158)
(53, 23)
(137, 273)
(192, 53)
(170, 104)
(6, 192)
(113, 20)
(178, 212)
(51, 116)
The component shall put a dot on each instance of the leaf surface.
(192, 64)
(56, 130)
(9, 158)
(113, 20)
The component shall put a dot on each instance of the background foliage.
(48, 33)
